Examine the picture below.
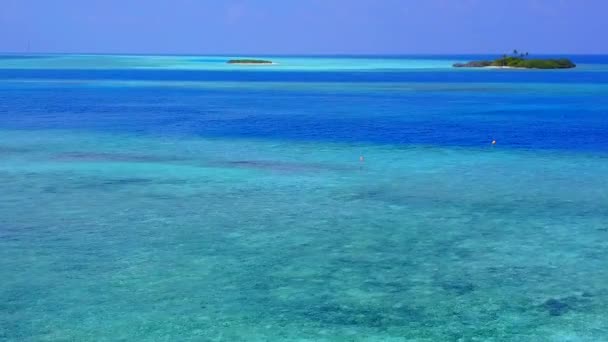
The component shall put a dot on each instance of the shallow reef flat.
(118, 236)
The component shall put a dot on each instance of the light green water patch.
(107, 237)
(219, 63)
(80, 62)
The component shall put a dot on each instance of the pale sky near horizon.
(304, 26)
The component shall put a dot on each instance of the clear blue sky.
(304, 26)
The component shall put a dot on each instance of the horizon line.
(395, 54)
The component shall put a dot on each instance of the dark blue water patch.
(562, 306)
(385, 76)
(466, 118)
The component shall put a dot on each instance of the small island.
(519, 61)
(250, 61)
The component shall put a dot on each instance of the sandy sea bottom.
(111, 237)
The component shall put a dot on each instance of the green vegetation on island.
(249, 61)
(520, 60)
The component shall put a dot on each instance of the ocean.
(324, 198)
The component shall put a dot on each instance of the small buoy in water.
(493, 142)
(361, 159)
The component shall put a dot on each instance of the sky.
(304, 26)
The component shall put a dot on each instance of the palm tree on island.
(519, 61)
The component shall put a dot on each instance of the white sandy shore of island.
(501, 67)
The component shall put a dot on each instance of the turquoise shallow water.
(217, 210)
(282, 63)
